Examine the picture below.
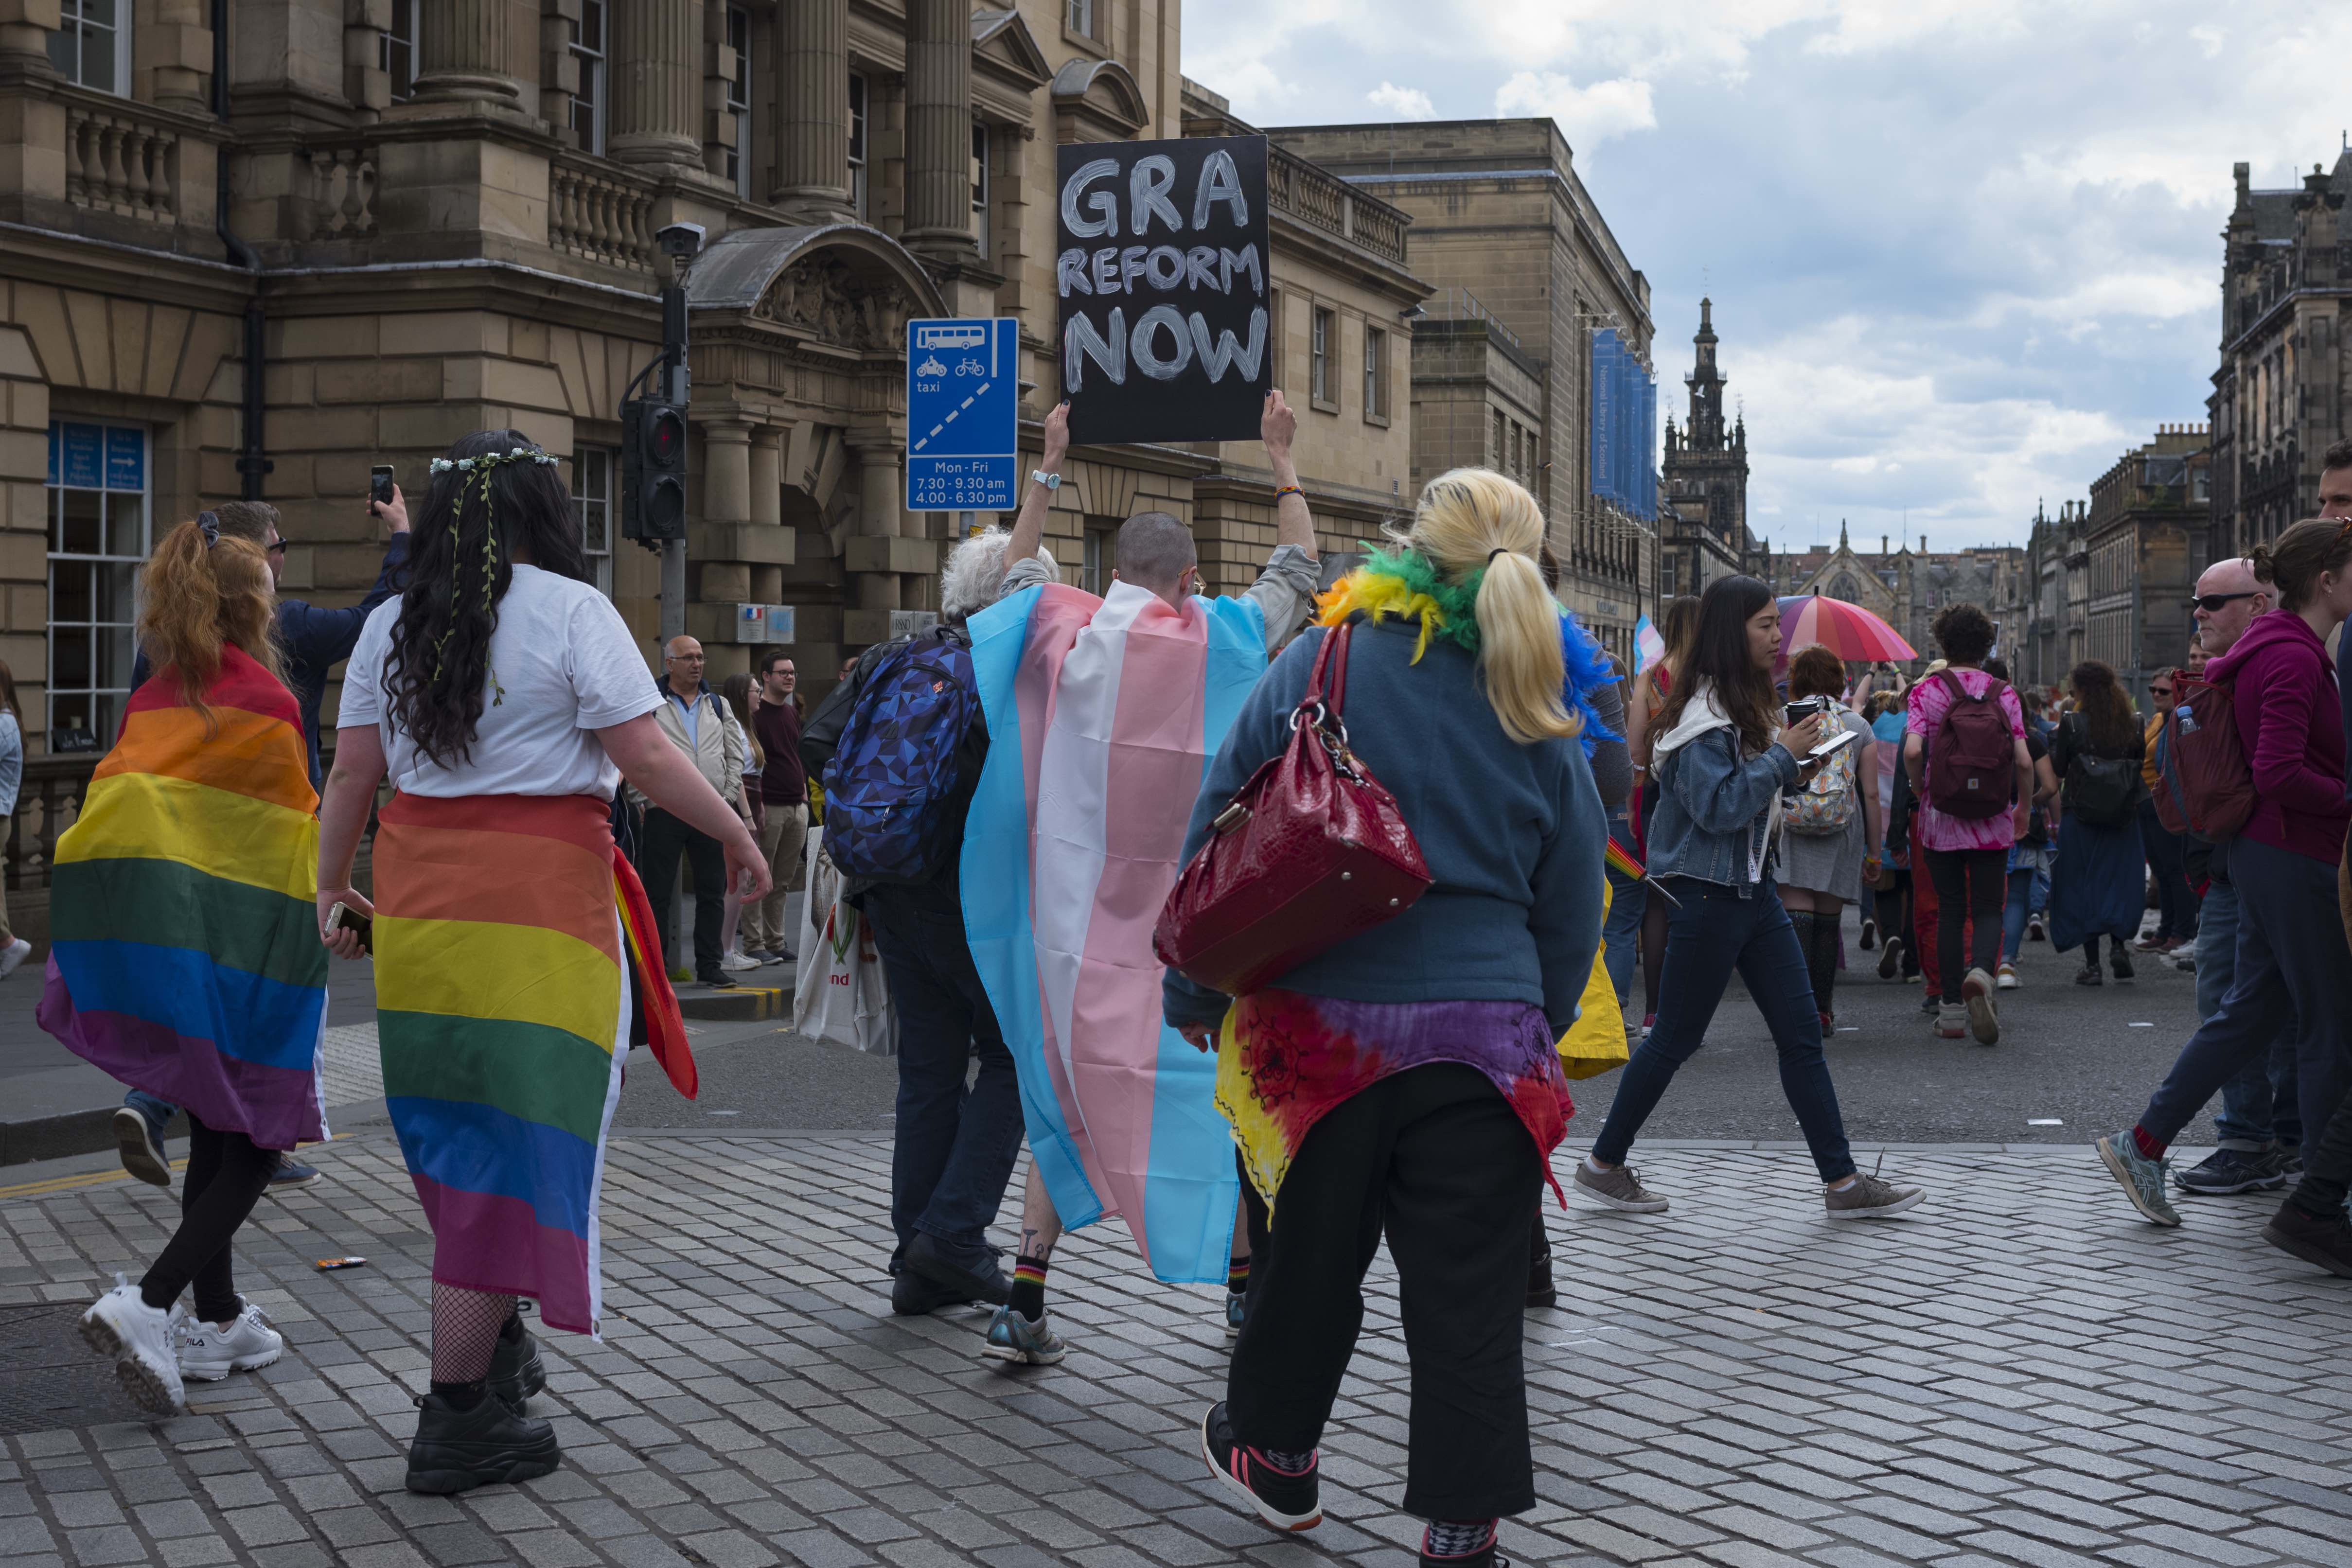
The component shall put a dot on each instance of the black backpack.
(2103, 791)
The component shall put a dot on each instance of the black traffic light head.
(653, 471)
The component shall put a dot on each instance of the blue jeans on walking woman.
(1715, 932)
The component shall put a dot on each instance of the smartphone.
(380, 483)
(343, 917)
(1830, 748)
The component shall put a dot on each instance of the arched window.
(1844, 587)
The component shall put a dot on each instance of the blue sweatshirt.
(1513, 835)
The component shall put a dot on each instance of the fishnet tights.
(465, 1325)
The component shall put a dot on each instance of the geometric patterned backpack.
(900, 760)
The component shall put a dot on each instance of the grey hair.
(1154, 550)
(973, 577)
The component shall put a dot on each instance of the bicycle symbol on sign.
(970, 368)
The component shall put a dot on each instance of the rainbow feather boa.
(1404, 584)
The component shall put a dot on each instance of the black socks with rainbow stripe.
(1028, 1296)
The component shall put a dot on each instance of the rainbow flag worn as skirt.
(184, 956)
(502, 1004)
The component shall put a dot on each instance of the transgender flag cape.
(183, 924)
(1102, 716)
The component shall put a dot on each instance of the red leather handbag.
(1311, 851)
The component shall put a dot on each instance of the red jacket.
(2290, 722)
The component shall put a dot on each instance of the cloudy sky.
(1963, 253)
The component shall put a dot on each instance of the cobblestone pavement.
(2021, 1373)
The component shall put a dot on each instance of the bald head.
(1154, 552)
(2228, 597)
(682, 662)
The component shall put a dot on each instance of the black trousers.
(663, 839)
(1971, 890)
(227, 1175)
(1436, 1156)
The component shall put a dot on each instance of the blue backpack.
(893, 778)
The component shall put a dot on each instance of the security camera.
(680, 242)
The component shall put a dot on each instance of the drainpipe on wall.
(252, 461)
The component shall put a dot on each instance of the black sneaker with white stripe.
(1287, 1499)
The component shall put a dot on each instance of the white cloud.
(1587, 115)
(1404, 102)
(1970, 245)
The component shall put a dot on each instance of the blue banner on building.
(1624, 424)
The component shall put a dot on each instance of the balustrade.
(115, 162)
(342, 192)
(597, 217)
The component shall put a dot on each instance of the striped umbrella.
(1849, 631)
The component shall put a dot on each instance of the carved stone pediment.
(823, 295)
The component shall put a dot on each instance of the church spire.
(1704, 431)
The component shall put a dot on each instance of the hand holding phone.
(343, 917)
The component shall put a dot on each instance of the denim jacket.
(1715, 810)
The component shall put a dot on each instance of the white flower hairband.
(491, 459)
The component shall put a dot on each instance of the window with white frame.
(1322, 385)
(97, 492)
(588, 104)
(1081, 16)
(1100, 557)
(91, 47)
(739, 99)
(399, 52)
(857, 144)
(980, 187)
(1376, 373)
(592, 503)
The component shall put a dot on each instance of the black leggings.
(1968, 883)
(227, 1175)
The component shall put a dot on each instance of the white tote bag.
(841, 995)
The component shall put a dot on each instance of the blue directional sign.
(964, 391)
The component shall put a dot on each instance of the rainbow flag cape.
(504, 939)
(1103, 715)
(184, 956)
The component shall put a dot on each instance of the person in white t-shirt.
(506, 699)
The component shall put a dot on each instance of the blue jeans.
(158, 1111)
(2292, 972)
(2013, 913)
(1715, 932)
(2168, 863)
(1621, 937)
(2258, 1106)
(955, 1146)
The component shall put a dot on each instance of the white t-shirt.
(567, 665)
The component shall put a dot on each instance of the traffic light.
(653, 471)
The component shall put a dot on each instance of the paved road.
(2020, 1375)
(2070, 1053)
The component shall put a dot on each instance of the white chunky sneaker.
(209, 1353)
(138, 1337)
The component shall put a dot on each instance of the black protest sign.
(1161, 265)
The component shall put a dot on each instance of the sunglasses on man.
(2213, 604)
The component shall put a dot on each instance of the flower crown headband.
(492, 459)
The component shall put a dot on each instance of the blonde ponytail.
(1473, 520)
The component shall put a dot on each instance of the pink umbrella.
(1849, 631)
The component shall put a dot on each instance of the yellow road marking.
(97, 1178)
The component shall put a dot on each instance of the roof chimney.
(1923, 544)
(1881, 543)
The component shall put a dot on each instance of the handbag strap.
(1334, 641)
(1340, 635)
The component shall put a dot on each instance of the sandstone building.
(257, 246)
(1528, 276)
(1905, 588)
(2281, 395)
(2144, 540)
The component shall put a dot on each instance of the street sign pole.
(673, 386)
(963, 395)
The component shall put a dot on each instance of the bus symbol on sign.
(952, 335)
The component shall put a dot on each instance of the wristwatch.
(1051, 481)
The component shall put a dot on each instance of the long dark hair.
(2105, 713)
(459, 568)
(1718, 656)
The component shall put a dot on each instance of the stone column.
(767, 475)
(469, 51)
(939, 130)
(658, 82)
(880, 502)
(25, 29)
(726, 472)
(811, 180)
